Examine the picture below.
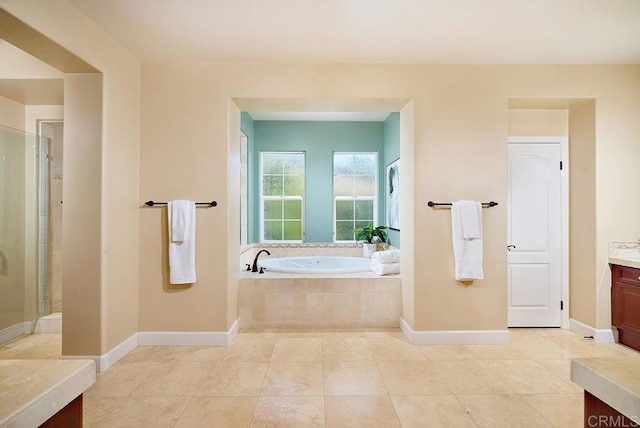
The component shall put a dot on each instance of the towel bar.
(438, 204)
(202, 204)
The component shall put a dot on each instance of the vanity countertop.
(616, 381)
(31, 391)
(625, 254)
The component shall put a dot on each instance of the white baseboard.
(16, 330)
(600, 335)
(194, 338)
(102, 361)
(455, 337)
(167, 338)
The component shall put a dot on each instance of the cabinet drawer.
(626, 275)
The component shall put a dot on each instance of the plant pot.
(368, 249)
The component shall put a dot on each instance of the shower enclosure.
(20, 233)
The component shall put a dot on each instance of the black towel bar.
(202, 204)
(438, 204)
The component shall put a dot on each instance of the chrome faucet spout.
(254, 268)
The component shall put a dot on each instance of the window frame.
(264, 198)
(373, 198)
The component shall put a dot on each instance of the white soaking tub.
(316, 265)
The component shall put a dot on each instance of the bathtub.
(316, 265)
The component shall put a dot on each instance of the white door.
(534, 235)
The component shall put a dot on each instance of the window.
(282, 196)
(354, 192)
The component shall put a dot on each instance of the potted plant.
(370, 236)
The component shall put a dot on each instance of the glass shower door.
(18, 233)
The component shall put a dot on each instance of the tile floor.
(338, 378)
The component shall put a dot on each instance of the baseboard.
(600, 335)
(455, 337)
(167, 338)
(104, 361)
(193, 338)
(16, 330)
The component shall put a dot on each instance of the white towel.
(387, 256)
(182, 241)
(467, 252)
(385, 268)
(470, 220)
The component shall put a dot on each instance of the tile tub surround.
(615, 381)
(289, 300)
(32, 391)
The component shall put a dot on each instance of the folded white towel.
(385, 268)
(467, 252)
(387, 256)
(470, 220)
(182, 241)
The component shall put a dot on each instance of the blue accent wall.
(318, 140)
(391, 153)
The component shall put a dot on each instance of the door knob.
(509, 247)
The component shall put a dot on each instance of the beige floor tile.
(96, 409)
(352, 378)
(497, 352)
(34, 346)
(297, 349)
(121, 379)
(346, 349)
(561, 410)
(293, 378)
(227, 412)
(498, 411)
(528, 377)
(622, 351)
(144, 412)
(195, 354)
(561, 369)
(546, 350)
(447, 352)
(173, 380)
(289, 412)
(148, 354)
(248, 349)
(471, 377)
(419, 411)
(360, 412)
(394, 349)
(554, 332)
(233, 379)
(412, 378)
(342, 332)
(582, 348)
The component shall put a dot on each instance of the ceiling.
(385, 31)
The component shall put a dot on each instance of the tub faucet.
(254, 268)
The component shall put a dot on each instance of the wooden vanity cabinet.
(625, 304)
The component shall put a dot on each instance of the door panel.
(534, 228)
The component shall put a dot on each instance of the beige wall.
(460, 122)
(538, 122)
(11, 114)
(583, 248)
(617, 178)
(461, 125)
(115, 294)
